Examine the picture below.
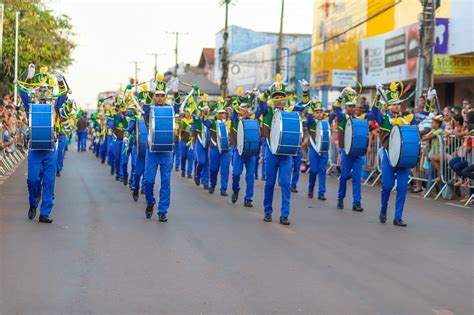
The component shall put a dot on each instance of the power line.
(326, 40)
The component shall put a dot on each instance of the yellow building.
(339, 25)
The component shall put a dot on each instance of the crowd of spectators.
(13, 126)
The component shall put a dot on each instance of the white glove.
(344, 91)
(59, 75)
(304, 85)
(125, 140)
(31, 71)
(432, 94)
(379, 87)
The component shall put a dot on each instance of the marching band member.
(155, 160)
(387, 121)
(275, 164)
(120, 125)
(42, 163)
(240, 110)
(317, 161)
(218, 161)
(349, 163)
(110, 123)
(64, 128)
(185, 141)
(138, 161)
(201, 154)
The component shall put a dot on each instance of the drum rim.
(314, 140)
(218, 138)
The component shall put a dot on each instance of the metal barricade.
(334, 160)
(10, 158)
(372, 156)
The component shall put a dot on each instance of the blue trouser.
(176, 155)
(103, 149)
(317, 167)
(264, 155)
(458, 164)
(222, 162)
(281, 165)
(81, 140)
(238, 163)
(97, 147)
(41, 176)
(139, 168)
(349, 163)
(186, 154)
(124, 156)
(60, 152)
(201, 156)
(110, 152)
(389, 173)
(163, 160)
(296, 166)
(117, 148)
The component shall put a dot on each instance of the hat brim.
(278, 93)
(159, 92)
(397, 102)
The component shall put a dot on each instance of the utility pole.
(280, 38)
(224, 52)
(156, 61)
(17, 18)
(135, 62)
(176, 50)
(425, 77)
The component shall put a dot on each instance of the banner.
(451, 65)
(393, 56)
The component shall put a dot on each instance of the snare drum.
(222, 137)
(161, 133)
(404, 146)
(248, 137)
(205, 136)
(141, 136)
(286, 133)
(322, 138)
(356, 137)
(42, 127)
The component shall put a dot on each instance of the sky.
(110, 34)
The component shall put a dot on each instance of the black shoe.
(103, 162)
(357, 208)
(223, 193)
(284, 221)
(256, 176)
(176, 169)
(294, 190)
(211, 190)
(121, 179)
(135, 194)
(197, 181)
(399, 223)
(340, 204)
(31, 213)
(149, 211)
(45, 219)
(112, 172)
(117, 178)
(267, 218)
(264, 178)
(58, 174)
(142, 191)
(125, 180)
(183, 175)
(248, 203)
(206, 187)
(190, 176)
(162, 217)
(235, 196)
(383, 218)
(321, 197)
(310, 195)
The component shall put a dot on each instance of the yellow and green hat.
(43, 79)
(394, 93)
(278, 88)
(160, 84)
(144, 94)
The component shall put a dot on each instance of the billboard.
(393, 56)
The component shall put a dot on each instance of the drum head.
(275, 132)
(204, 136)
(395, 146)
(348, 137)
(240, 137)
(318, 136)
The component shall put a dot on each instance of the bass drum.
(404, 146)
(248, 137)
(322, 138)
(286, 133)
(222, 137)
(356, 137)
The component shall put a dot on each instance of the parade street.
(101, 256)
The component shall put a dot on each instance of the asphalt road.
(101, 256)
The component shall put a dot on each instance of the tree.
(44, 39)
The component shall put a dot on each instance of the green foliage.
(44, 39)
